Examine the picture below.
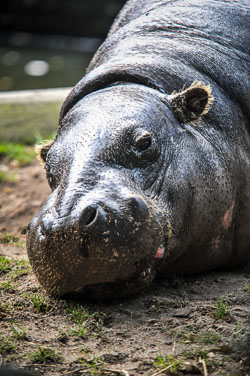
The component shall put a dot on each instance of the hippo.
(150, 166)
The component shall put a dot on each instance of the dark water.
(35, 68)
(45, 44)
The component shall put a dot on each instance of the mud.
(185, 325)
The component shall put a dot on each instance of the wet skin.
(127, 196)
(146, 181)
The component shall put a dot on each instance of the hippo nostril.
(89, 215)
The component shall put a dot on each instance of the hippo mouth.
(117, 261)
(119, 288)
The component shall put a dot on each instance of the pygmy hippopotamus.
(150, 167)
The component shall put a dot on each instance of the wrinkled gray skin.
(135, 190)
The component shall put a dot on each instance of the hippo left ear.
(192, 103)
(42, 150)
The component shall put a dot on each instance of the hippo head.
(106, 224)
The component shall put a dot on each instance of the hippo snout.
(99, 241)
(97, 217)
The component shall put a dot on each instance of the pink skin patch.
(160, 252)
(227, 219)
(226, 222)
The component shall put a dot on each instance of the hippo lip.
(78, 289)
(93, 261)
(160, 251)
(146, 274)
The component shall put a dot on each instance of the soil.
(198, 324)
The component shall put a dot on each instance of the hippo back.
(168, 44)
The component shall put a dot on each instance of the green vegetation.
(209, 337)
(194, 360)
(6, 345)
(18, 152)
(85, 323)
(78, 313)
(7, 238)
(246, 288)
(95, 365)
(45, 355)
(40, 303)
(9, 285)
(66, 327)
(17, 331)
(5, 265)
(26, 123)
(168, 362)
(222, 310)
(15, 269)
(7, 176)
(21, 267)
(191, 335)
(79, 330)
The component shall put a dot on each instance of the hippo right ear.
(42, 150)
(192, 103)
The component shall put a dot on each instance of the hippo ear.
(42, 150)
(192, 103)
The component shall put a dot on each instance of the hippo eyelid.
(143, 141)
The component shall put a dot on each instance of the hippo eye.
(143, 141)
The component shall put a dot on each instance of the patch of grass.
(202, 353)
(5, 265)
(7, 346)
(201, 359)
(40, 139)
(5, 308)
(193, 359)
(190, 335)
(246, 288)
(7, 176)
(222, 310)
(8, 285)
(169, 362)
(40, 303)
(79, 314)
(209, 337)
(95, 365)
(21, 267)
(3, 175)
(11, 239)
(85, 323)
(79, 330)
(17, 331)
(24, 123)
(21, 153)
(15, 268)
(236, 333)
(45, 355)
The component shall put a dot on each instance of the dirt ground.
(183, 326)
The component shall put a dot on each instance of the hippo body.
(149, 171)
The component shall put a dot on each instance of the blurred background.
(49, 43)
(44, 44)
